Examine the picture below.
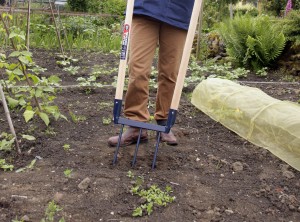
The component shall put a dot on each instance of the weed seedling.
(77, 118)
(5, 166)
(153, 196)
(68, 172)
(66, 147)
(51, 211)
(7, 142)
(106, 120)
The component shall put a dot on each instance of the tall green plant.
(252, 42)
(291, 27)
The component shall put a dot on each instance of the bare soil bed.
(215, 175)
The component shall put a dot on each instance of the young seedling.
(68, 172)
(51, 211)
(5, 166)
(152, 196)
(66, 147)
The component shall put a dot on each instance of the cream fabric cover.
(253, 115)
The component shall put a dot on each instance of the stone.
(288, 174)
(237, 166)
(84, 184)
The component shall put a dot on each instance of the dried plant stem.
(11, 126)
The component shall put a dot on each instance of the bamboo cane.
(57, 30)
(28, 25)
(11, 126)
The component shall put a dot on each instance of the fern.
(252, 42)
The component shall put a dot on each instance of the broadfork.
(177, 91)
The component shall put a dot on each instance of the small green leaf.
(137, 212)
(28, 137)
(13, 103)
(14, 54)
(45, 118)
(28, 115)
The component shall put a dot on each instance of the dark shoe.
(169, 138)
(130, 136)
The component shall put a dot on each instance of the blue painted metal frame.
(158, 128)
(149, 126)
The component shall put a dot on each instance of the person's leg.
(143, 42)
(171, 44)
(144, 39)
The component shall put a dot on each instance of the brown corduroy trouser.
(146, 35)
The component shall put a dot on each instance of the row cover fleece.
(252, 114)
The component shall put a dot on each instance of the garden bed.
(215, 175)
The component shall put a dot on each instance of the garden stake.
(57, 30)
(28, 25)
(177, 91)
(11, 126)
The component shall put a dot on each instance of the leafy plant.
(77, 118)
(5, 166)
(291, 27)
(51, 211)
(252, 42)
(28, 167)
(106, 120)
(66, 147)
(6, 142)
(37, 98)
(152, 196)
(68, 172)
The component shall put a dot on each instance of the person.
(155, 22)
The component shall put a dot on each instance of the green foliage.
(78, 5)
(4, 166)
(114, 7)
(51, 211)
(225, 71)
(245, 9)
(252, 42)
(68, 172)
(6, 142)
(37, 98)
(152, 196)
(291, 27)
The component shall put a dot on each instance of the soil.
(215, 175)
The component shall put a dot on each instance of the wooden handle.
(124, 50)
(186, 55)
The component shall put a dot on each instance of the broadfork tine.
(156, 150)
(136, 148)
(118, 145)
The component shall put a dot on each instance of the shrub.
(243, 9)
(252, 42)
(78, 5)
(291, 27)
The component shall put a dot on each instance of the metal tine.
(118, 145)
(137, 148)
(156, 150)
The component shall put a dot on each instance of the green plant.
(72, 69)
(262, 72)
(252, 42)
(6, 142)
(152, 196)
(106, 120)
(37, 98)
(51, 211)
(5, 166)
(68, 172)
(291, 27)
(66, 147)
(77, 118)
(28, 167)
(50, 131)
